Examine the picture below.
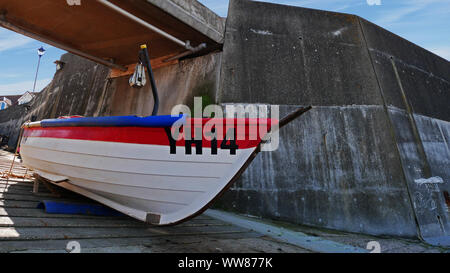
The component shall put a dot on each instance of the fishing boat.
(161, 170)
(136, 166)
(132, 165)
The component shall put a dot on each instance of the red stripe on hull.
(141, 135)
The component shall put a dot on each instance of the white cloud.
(221, 6)
(10, 40)
(9, 75)
(396, 14)
(406, 8)
(443, 51)
(374, 2)
(21, 87)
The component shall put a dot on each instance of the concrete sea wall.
(84, 88)
(380, 121)
(75, 90)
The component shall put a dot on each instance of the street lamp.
(41, 52)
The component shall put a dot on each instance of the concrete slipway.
(25, 228)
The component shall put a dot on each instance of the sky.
(424, 22)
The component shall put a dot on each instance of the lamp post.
(41, 52)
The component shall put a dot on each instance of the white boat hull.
(142, 181)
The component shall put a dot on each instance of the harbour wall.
(85, 88)
(380, 122)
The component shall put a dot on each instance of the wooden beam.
(6, 24)
(156, 63)
(123, 41)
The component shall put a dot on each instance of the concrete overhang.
(90, 29)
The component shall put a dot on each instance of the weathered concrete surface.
(196, 15)
(295, 56)
(325, 240)
(285, 235)
(415, 85)
(435, 136)
(351, 163)
(75, 90)
(431, 210)
(177, 84)
(10, 120)
(424, 76)
(334, 168)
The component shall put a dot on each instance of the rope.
(10, 174)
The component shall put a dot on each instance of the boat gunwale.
(146, 122)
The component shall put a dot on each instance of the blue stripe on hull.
(124, 121)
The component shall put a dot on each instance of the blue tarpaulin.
(55, 207)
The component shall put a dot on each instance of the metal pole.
(37, 71)
(15, 155)
(144, 58)
(138, 20)
(145, 24)
(181, 55)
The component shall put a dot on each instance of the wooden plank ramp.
(25, 228)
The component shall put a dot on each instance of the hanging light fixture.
(41, 52)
